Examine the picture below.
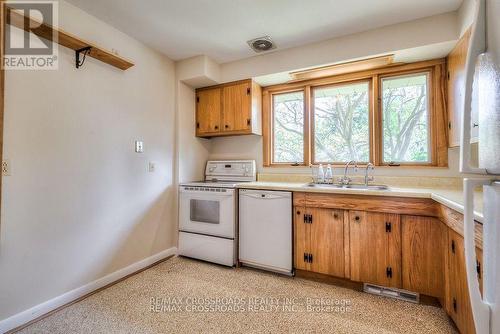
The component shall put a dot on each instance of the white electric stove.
(208, 211)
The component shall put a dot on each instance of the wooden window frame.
(438, 117)
(429, 72)
(306, 126)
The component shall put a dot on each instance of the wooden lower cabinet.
(457, 292)
(421, 254)
(423, 257)
(319, 240)
(375, 248)
(302, 239)
(327, 241)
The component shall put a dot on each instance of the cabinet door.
(375, 244)
(458, 303)
(423, 245)
(208, 111)
(327, 241)
(456, 87)
(301, 239)
(236, 110)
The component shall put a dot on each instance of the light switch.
(139, 146)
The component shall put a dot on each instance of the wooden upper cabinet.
(237, 113)
(423, 254)
(456, 88)
(375, 248)
(208, 111)
(239, 109)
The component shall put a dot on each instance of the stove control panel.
(231, 170)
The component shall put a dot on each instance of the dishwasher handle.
(265, 194)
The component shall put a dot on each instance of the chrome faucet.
(346, 180)
(367, 179)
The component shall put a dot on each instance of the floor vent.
(392, 293)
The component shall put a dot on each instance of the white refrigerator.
(482, 92)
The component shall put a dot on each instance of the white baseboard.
(36, 311)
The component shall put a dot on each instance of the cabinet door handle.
(357, 218)
(388, 272)
(216, 127)
(249, 121)
(226, 126)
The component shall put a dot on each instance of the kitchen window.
(405, 119)
(341, 123)
(288, 127)
(392, 116)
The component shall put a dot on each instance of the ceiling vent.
(262, 44)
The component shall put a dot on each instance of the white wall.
(80, 202)
(465, 16)
(192, 152)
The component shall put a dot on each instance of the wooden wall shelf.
(65, 39)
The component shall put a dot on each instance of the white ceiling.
(220, 28)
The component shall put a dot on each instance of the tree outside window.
(288, 127)
(341, 123)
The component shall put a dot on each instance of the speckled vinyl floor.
(186, 296)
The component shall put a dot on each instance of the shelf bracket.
(86, 50)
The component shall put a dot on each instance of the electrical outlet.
(152, 166)
(6, 168)
(139, 146)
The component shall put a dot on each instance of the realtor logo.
(30, 35)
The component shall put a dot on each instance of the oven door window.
(204, 211)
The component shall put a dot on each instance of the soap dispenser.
(328, 174)
(321, 174)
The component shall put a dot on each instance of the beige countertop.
(452, 198)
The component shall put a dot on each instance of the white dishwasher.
(265, 230)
